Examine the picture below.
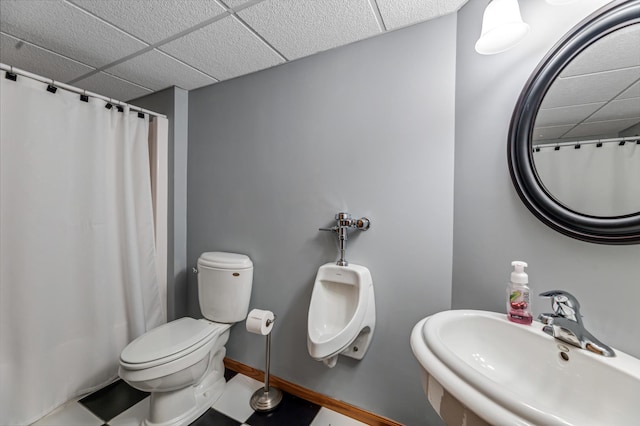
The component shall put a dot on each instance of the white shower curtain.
(601, 181)
(77, 256)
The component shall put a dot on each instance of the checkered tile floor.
(121, 405)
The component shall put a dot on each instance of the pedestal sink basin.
(478, 368)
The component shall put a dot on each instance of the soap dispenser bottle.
(518, 304)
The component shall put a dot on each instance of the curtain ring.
(51, 86)
(11, 74)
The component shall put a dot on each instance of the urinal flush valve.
(345, 223)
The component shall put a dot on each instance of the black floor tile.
(112, 400)
(213, 417)
(292, 411)
(229, 374)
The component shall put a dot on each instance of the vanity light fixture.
(502, 27)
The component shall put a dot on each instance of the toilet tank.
(224, 286)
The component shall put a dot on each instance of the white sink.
(478, 367)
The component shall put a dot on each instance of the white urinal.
(342, 313)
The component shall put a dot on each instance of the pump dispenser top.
(518, 275)
(518, 301)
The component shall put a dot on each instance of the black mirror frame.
(603, 230)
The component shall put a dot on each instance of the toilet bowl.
(169, 360)
(181, 363)
(342, 313)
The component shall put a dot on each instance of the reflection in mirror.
(586, 139)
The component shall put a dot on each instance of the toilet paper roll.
(260, 322)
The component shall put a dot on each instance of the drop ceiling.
(597, 95)
(125, 49)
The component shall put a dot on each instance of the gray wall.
(173, 102)
(367, 128)
(491, 225)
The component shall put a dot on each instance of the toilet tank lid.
(223, 260)
(168, 339)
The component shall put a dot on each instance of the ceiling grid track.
(129, 49)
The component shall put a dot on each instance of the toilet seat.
(170, 341)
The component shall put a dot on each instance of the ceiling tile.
(234, 4)
(542, 134)
(450, 6)
(157, 70)
(631, 92)
(624, 108)
(39, 61)
(619, 49)
(153, 22)
(223, 49)
(589, 88)
(396, 14)
(565, 115)
(65, 29)
(111, 87)
(301, 28)
(604, 129)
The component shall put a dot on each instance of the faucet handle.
(564, 304)
(546, 319)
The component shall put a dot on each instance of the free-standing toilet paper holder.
(267, 398)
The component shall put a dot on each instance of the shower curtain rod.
(74, 89)
(589, 142)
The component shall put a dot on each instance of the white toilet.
(180, 362)
(342, 313)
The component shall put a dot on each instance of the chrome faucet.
(565, 323)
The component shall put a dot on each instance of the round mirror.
(574, 142)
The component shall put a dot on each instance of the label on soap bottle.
(518, 308)
(519, 299)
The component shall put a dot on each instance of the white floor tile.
(71, 414)
(326, 417)
(234, 402)
(132, 416)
